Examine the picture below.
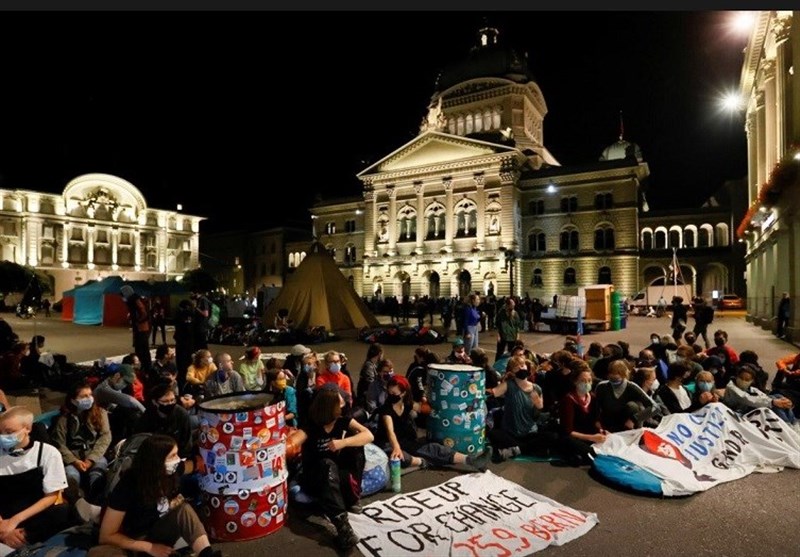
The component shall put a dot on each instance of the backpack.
(213, 315)
(125, 451)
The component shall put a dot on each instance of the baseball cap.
(300, 350)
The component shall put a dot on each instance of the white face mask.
(171, 466)
(655, 385)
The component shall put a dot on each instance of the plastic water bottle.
(394, 465)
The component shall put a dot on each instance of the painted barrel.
(457, 395)
(243, 445)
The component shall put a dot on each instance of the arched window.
(496, 118)
(690, 237)
(350, 255)
(660, 241)
(451, 125)
(536, 279)
(603, 201)
(466, 213)
(434, 221)
(487, 120)
(647, 239)
(604, 237)
(406, 224)
(460, 125)
(478, 122)
(383, 227)
(704, 236)
(469, 126)
(568, 239)
(721, 234)
(604, 275)
(569, 276)
(536, 242)
(674, 238)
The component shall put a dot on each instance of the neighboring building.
(243, 262)
(99, 226)
(770, 85)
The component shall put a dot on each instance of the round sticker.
(206, 511)
(457, 419)
(471, 449)
(247, 458)
(215, 502)
(227, 427)
(254, 443)
(258, 420)
(264, 519)
(262, 455)
(243, 494)
(264, 434)
(219, 449)
(231, 527)
(441, 375)
(231, 507)
(274, 510)
(230, 477)
(271, 497)
(213, 435)
(219, 477)
(464, 394)
(448, 442)
(281, 405)
(248, 519)
(473, 388)
(454, 380)
(202, 438)
(445, 422)
(225, 417)
(271, 410)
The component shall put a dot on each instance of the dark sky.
(226, 112)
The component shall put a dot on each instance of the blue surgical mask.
(308, 368)
(84, 404)
(616, 382)
(334, 368)
(705, 386)
(8, 441)
(222, 376)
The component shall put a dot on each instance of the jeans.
(89, 478)
(472, 342)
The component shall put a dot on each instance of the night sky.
(225, 112)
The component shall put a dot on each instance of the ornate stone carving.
(435, 119)
(419, 187)
(447, 183)
(480, 179)
(100, 197)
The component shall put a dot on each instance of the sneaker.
(346, 538)
(424, 464)
(481, 462)
(355, 509)
(509, 453)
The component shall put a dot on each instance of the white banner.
(473, 515)
(694, 452)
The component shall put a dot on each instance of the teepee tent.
(317, 293)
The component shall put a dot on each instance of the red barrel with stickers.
(243, 446)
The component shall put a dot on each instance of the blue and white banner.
(688, 453)
(474, 515)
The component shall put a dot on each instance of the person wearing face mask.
(377, 393)
(123, 409)
(522, 404)
(623, 404)
(673, 394)
(278, 385)
(31, 479)
(369, 372)
(741, 396)
(704, 390)
(305, 384)
(199, 372)
(225, 380)
(458, 355)
(82, 435)
(166, 417)
(579, 415)
(724, 352)
(332, 373)
(145, 513)
(397, 434)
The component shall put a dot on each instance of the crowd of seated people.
(555, 406)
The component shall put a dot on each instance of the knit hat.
(458, 341)
(127, 373)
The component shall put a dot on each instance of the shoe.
(346, 538)
(509, 453)
(355, 509)
(424, 464)
(481, 462)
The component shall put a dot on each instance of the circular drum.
(243, 444)
(457, 394)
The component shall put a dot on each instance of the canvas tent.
(100, 303)
(68, 304)
(317, 293)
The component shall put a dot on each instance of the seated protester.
(163, 366)
(376, 395)
(480, 359)
(82, 435)
(278, 386)
(787, 377)
(656, 347)
(556, 382)
(369, 372)
(626, 351)
(594, 353)
(417, 373)
(294, 361)
(136, 389)
(332, 373)
(579, 418)
(12, 377)
(690, 338)
(725, 353)
(670, 348)
(750, 359)
(458, 355)
(519, 431)
(252, 369)
(686, 355)
(224, 380)
(648, 359)
(714, 365)
(4, 405)
(124, 410)
(704, 391)
(164, 416)
(611, 353)
(623, 404)
(31, 479)
(646, 378)
(397, 434)
(333, 460)
(305, 384)
(199, 371)
(38, 364)
(145, 513)
(673, 394)
(741, 396)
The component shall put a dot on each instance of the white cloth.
(55, 479)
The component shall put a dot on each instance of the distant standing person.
(140, 324)
(784, 309)
(509, 324)
(158, 320)
(202, 311)
(46, 307)
(184, 339)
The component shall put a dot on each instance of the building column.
(370, 221)
(480, 197)
(34, 226)
(194, 243)
(114, 248)
(161, 246)
(782, 103)
(392, 193)
(65, 236)
(752, 160)
(90, 246)
(449, 220)
(137, 250)
(770, 104)
(22, 256)
(761, 165)
(419, 189)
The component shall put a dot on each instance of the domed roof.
(620, 150)
(489, 58)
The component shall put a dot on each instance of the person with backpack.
(703, 317)
(145, 512)
(140, 324)
(200, 320)
(82, 435)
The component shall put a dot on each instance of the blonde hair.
(22, 414)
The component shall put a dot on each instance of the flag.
(580, 332)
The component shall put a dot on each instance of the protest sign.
(691, 452)
(471, 515)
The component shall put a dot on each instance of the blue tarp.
(90, 299)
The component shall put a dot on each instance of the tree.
(16, 278)
(198, 280)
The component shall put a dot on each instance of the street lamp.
(510, 256)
